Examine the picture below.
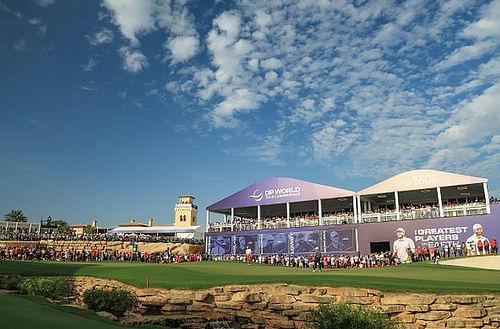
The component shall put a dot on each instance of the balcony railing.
(404, 214)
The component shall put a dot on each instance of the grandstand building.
(290, 216)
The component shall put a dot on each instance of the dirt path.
(487, 262)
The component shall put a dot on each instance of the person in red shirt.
(493, 246)
(480, 247)
(486, 246)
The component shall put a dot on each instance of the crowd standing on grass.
(380, 259)
(72, 255)
(26, 235)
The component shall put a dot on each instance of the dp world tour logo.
(256, 195)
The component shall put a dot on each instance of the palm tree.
(15, 216)
(62, 226)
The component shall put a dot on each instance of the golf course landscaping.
(28, 312)
(195, 294)
(416, 277)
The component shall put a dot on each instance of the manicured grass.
(35, 313)
(417, 277)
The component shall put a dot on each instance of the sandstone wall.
(120, 246)
(287, 306)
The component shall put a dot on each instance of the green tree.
(15, 216)
(88, 229)
(62, 226)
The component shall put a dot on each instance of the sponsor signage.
(275, 193)
(296, 241)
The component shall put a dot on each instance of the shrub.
(50, 287)
(116, 301)
(344, 316)
(12, 283)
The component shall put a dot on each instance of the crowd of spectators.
(72, 255)
(381, 259)
(408, 211)
(24, 234)
(274, 222)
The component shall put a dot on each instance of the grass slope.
(22, 312)
(418, 277)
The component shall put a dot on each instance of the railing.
(337, 220)
(378, 217)
(404, 214)
(465, 210)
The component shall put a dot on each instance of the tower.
(185, 211)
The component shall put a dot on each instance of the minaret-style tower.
(185, 211)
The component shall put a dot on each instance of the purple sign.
(432, 232)
(304, 241)
(279, 190)
(337, 241)
(274, 243)
(241, 242)
(220, 245)
(342, 238)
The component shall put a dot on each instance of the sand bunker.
(487, 262)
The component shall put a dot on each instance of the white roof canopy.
(421, 179)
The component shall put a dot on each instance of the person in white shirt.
(472, 241)
(402, 245)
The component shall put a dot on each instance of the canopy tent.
(420, 180)
(276, 191)
(182, 232)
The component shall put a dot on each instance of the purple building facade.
(370, 219)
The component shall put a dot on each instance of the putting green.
(418, 277)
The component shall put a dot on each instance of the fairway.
(416, 277)
(35, 313)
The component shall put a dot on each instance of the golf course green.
(416, 277)
(28, 312)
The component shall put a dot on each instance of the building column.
(487, 198)
(355, 209)
(358, 203)
(320, 211)
(232, 219)
(258, 217)
(207, 221)
(288, 214)
(440, 202)
(365, 207)
(396, 201)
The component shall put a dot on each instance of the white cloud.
(20, 45)
(271, 64)
(101, 37)
(269, 150)
(90, 65)
(183, 48)
(133, 17)
(467, 53)
(473, 120)
(140, 17)
(241, 100)
(37, 123)
(133, 60)
(361, 94)
(41, 28)
(45, 3)
(488, 25)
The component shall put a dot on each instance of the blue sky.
(111, 109)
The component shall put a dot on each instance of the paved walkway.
(488, 262)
